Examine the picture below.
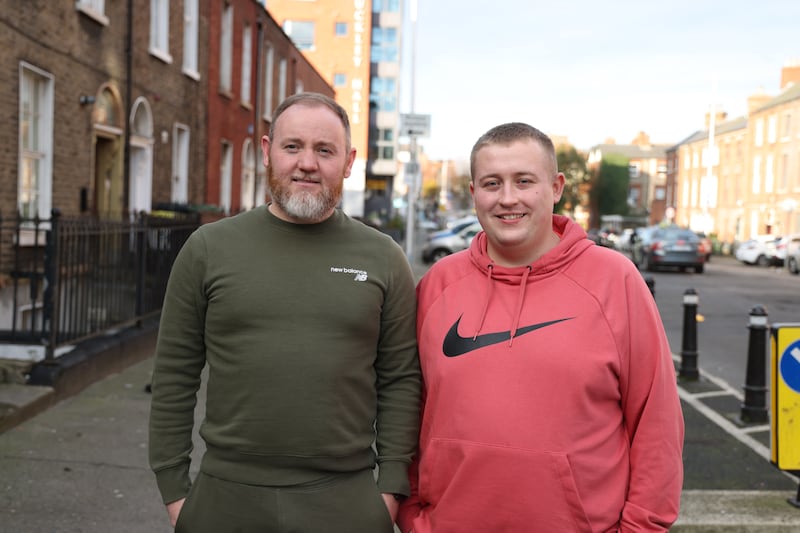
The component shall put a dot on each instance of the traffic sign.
(785, 396)
(415, 125)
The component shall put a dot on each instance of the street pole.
(412, 169)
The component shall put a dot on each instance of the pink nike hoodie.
(550, 399)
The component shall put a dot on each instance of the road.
(728, 291)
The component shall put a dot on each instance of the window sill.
(98, 17)
(192, 74)
(161, 55)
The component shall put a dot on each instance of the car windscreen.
(675, 234)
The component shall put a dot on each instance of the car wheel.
(439, 254)
(793, 266)
(762, 261)
(699, 269)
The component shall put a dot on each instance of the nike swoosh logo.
(454, 344)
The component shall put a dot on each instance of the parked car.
(638, 241)
(782, 247)
(623, 242)
(791, 252)
(669, 246)
(603, 236)
(760, 250)
(705, 242)
(443, 243)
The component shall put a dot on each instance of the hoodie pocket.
(482, 487)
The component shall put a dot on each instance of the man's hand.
(391, 504)
(174, 509)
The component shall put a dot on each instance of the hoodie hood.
(573, 242)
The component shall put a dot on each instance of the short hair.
(511, 132)
(311, 100)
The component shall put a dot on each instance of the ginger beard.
(304, 205)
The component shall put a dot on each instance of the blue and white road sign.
(790, 366)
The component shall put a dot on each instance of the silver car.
(443, 243)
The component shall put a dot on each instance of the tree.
(573, 164)
(609, 193)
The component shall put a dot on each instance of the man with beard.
(305, 320)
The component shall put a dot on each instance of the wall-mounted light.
(86, 99)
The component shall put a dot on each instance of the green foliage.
(573, 164)
(610, 190)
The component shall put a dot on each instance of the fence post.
(51, 291)
(688, 368)
(141, 267)
(754, 408)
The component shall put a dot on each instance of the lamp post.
(412, 168)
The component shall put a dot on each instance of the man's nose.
(508, 194)
(307, 160)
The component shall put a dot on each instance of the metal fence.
(65, 279)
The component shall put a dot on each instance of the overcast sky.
(590, 70)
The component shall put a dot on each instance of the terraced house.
(126, 124)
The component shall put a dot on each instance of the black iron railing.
(64, 280)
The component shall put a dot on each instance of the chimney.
(790, 74)
(719, 117)
(642, 139)
(757, 100)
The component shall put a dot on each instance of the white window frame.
(248, 188)
(247, 65)
(269, 75)
(305, 45)
(140, 187)
(42, 156)
(181, 137)
(191, 35)
(282, 78)
(159, 30)
(772, 129)
(225, 175)
(226, 50)
(95, 9)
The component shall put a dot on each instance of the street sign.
(415, 125)
(785, 410)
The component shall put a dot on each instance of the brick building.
(355, 44)
(104, 106)
(740, 178)
(253, 66)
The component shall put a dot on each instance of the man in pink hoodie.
(550, 399)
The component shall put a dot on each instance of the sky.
(590, 70)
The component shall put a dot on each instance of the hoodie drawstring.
(488, 297)
(522, 286)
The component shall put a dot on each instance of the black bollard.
(688, 368)
(651, 284)
(754, 408)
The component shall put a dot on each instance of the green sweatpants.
(343, 503)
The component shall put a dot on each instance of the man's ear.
(265, 150)
(558, 187)
(351, 157)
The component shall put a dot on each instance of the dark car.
(671, 246)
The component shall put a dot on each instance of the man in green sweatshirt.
(305, 319)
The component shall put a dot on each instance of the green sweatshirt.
(308, 332)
